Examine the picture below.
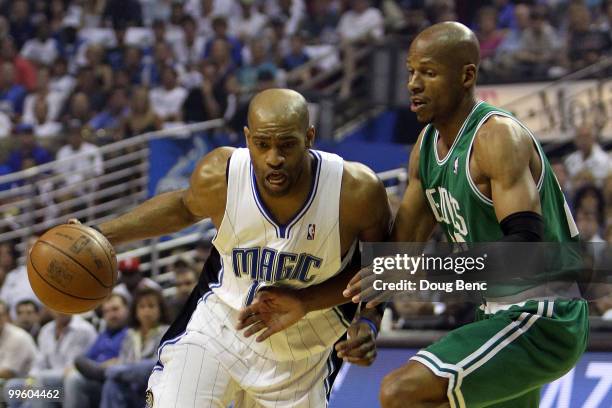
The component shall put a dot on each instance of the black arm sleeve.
(524, 226)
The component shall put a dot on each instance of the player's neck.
(448, 128)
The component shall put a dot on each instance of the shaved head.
(278, 106)
(451, 43)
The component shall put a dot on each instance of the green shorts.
(503, 359)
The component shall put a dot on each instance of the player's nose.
(274, 158)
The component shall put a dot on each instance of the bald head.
(278, 106)
(449, 42)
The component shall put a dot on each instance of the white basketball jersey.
(256, 251)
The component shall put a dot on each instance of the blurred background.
(104, 103)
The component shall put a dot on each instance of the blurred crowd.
(99, 359)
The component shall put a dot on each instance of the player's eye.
(430, 73)
(262, 145)
(288, 145)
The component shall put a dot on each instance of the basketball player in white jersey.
(289, 219)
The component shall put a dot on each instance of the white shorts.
(213, 366)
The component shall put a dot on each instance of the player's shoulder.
(361, 187)
(212, 167)
(501, 135)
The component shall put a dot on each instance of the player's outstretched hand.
(360, 348)
(273, 309)
(361, 288)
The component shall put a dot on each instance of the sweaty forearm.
(162, 214)
(329, 293)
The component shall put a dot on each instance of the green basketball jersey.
(465, 214)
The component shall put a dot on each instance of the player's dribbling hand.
(273, 309)
(360, 348)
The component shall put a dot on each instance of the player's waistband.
(547, 292)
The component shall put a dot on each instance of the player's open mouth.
(416, 104)
(276, 179)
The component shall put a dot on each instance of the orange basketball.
(72, 268)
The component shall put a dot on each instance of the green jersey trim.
(471, 182)
(450, 151)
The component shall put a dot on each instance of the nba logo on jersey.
(311, 232)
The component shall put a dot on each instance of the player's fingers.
(380, 297)
(247, 321)
(256, 328)
(352, 343)
(269, 331)
(365, 361)
(73, 221)
(360, 351)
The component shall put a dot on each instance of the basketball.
(72, 268)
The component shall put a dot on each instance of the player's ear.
(310, 137)
(247, 135)
(469, 75)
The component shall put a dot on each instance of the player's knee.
(411, 385)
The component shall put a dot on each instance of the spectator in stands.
(87, 162)
(126, 12)
(296, 55)
(61, 81)
(83, 385)
(77, 107)
(44, 126)
(259, 61)
(563, 178)
(53, 99)
(358, 25)
(88, 84)
(16, 285)
(586, 44)
(133, 65)
(189, 51)
(126, 382)
(25, 73)
(102, 72)
(202, 251)
(185, 278)
(12, 94)
(8, 260)
(207, 101)
(591, 199)
(489, 36)
(539, 48)
(219, 25)
(28, 316)
(22, 28)
(167, 100)
(511, 44)
(506, 16)
(415, 18)
(107, 123)
(221, 57)
(18, 349)
(321, 22)
(588, 226)
(249, 22)
(29, 153)
(155, 10)
(292, 12)
(141, 118)
(589, 156)
(41, 49)
(60, 342)
(131, 279)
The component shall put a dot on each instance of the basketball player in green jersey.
(481, 175)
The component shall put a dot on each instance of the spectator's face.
(521, 15)
(7, 262)
(28, 141)
(140, 101)
(359, 6)
(296, 45)
(42, 79)
(132, 57)
(258, 51)
(40, 110)
(185, 282)
(131, 278)
(8, 75)
(60, 318)
(579, 17)
(86, 79)
(207, 7)
(8, 49)
(159, 31)
(589, 203)
(487, 23)
(220, 51)
(220, 28)
(190, 29)
(80, 106)
(163, 54)
(118, 102)
(75, 139)
(20, 10)
(4, 316)
(169, 79)
(587, 224)
(147, 311)
(115, 313)
(27, 316)
(43, 32)
(584, 139)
